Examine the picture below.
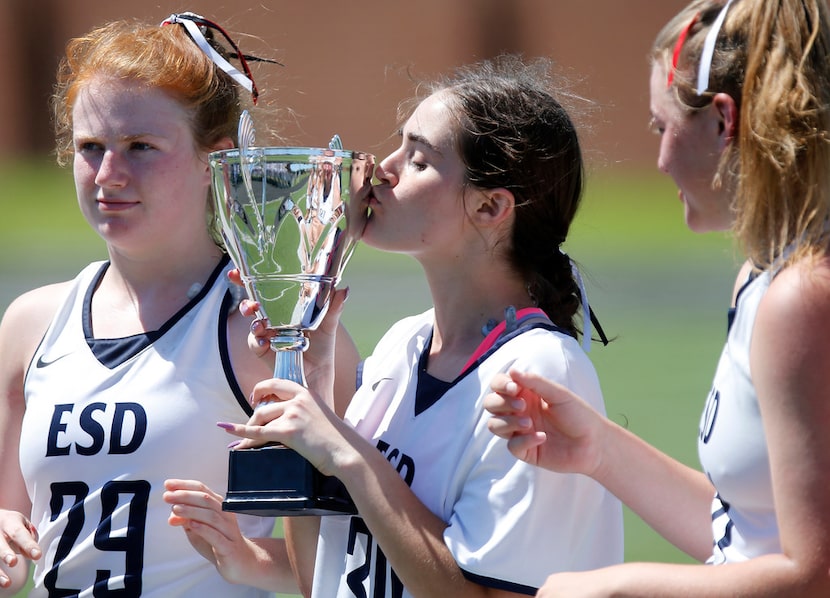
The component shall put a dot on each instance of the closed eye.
(655, 127)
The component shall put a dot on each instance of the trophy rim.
(276, 150)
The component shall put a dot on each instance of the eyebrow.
(415, 138)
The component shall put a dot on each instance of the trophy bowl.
(290, 225)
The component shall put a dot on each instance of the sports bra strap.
(512, 320)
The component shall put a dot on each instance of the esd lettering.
(403, 463)
(105, 427)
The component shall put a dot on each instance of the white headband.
(709, 50)
(215, 56)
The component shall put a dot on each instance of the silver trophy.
(290, 226)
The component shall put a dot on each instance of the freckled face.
(140, 181)
(418, 206)
(689, 153)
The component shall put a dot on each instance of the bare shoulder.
(21, 329)
(800, 291)
(793, 323)
(27, 318)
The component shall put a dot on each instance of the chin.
(700, 228)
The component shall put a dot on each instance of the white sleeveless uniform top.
(101, 434)
(509, 524)
(732, 445)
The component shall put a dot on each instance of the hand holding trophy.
(290, 226)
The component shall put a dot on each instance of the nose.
(112, 170)
(385, 171)
(662, 161)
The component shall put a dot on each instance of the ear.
(493, 207)
(727, 114)
(224, 143)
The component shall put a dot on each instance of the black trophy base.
(275, 481)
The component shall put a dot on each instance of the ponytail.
(783, 192)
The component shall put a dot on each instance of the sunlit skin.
(417, 207)
(548, 425)
(690, 150)
(139, 177)
(420, 207)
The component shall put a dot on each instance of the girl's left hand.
(288, 413)
(214, 533)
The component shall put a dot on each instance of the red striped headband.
(707, 53)
(678, 47)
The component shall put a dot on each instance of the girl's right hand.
(545, 424)
(18, 545)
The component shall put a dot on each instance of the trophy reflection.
(290, 227)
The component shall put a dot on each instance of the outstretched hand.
(544, 423)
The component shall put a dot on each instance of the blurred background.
(347, 63)
(659, 291)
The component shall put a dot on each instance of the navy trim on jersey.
(228, 303)
(730, 315)
(112, 352)
(500, 584)
(507, 336)
(358, 374)
(430, 389)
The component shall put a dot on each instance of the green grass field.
(659, 291)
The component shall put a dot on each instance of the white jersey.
(732, 445)
(509, 524)
(106, 422)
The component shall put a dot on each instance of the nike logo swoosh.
(375, 385)
(42, 363)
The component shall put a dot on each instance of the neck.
(463, 309)
(133, 297)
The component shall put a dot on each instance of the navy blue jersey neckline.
(112, 352)
(430, 389)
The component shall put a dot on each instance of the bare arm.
(548, 425)
(21, 329)
(790, 367)
(410, 535)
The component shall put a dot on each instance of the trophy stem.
(289, 346)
